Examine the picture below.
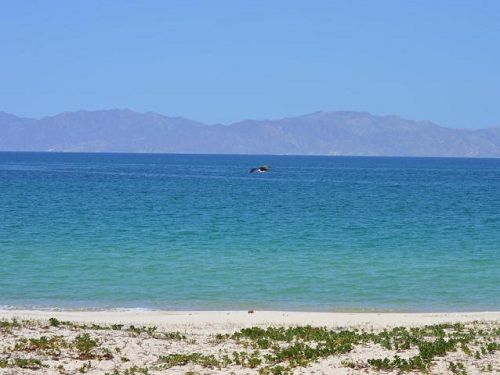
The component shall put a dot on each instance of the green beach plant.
(9, 325)
(54, 322)
(174, 336)
(175, 359)
(84, 344)
(28, 363)
(457, 368)
(51, 346)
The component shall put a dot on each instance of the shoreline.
(233, 320)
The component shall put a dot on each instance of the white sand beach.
(217, 321)
(203, 342)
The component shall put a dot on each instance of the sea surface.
(99, 231)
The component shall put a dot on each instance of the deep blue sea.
(201, 232)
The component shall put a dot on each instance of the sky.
(225, 61)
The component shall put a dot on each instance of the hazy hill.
(320, 133)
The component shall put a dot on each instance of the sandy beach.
(227, 321)
(241, 342)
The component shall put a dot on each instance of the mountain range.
(319, 133)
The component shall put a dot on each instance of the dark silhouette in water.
(261, 169)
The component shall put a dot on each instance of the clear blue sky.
(223, 61)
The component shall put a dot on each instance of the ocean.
(199, 232)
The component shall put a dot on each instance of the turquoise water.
(200, 232)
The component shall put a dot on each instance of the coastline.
(233, 320)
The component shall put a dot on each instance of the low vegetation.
(273, 350)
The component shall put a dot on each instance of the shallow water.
(200, 232)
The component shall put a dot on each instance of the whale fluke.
(261, 169)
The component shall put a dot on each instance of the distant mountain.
(320, 133)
